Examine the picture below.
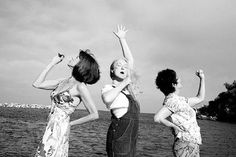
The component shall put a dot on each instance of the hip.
(183, 148)
(123, 128)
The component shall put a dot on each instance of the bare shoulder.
(82, 88)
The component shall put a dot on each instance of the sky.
(183, 35)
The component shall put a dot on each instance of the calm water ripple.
(22, 129)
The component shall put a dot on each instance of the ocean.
(21, 129)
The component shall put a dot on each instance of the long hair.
(87, 69)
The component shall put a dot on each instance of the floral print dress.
(183, 115)
(55, 142)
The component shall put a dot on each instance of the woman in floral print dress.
(177, 113)
(66, 95)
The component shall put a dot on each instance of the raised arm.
(89, 105)
(121, 34)
(201, 91)
(41, 83)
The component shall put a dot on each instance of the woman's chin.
(119, 79)
(70, 66)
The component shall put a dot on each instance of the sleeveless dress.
(55, 141)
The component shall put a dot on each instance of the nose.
(70, 58)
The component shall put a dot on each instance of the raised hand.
(121, 32)
(200, 73)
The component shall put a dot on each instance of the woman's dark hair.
(87, 69)
(165, 80)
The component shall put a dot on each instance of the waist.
(190, 137)
(128, 115)
(58, 114)
(119, 112)
(67, 108)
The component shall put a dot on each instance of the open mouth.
(122, 72)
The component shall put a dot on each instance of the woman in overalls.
(120, 100)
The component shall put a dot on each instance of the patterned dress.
(183, 115)
(55, 142)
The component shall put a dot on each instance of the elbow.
(106, 101)
(201, 98)
(95, 116)
(157, 119)
(35, 85)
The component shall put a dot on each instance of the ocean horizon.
(23, 128)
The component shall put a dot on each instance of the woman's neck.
(116, 82)
(72, 80)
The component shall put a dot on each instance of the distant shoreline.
(18, 105)
(40, 106)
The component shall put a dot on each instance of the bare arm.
(201, 91)
(41, 83)
(89, 105)
(161, 117)
(121, 34)
(109, 96)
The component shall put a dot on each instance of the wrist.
(124, 85)
(71, 123)
(52, 64)
(122, 38)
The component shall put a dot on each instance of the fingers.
(121, 28)
(200, 71)
(118, 27)
(121, 32)
(61, 55)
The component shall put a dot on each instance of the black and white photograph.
(117, 78)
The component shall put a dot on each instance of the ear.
(174, 85)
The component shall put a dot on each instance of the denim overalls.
(123, 132)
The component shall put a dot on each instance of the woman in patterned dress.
(66, 95)
(182, 116)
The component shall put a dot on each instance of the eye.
(118, 65)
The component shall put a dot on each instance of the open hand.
(121, 32)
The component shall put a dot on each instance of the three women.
(120, 100)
